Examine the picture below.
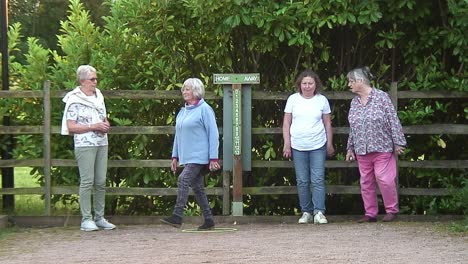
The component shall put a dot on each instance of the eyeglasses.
(93, 79)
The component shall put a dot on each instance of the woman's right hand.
(287, 151)
(350, 157)
(174, 165)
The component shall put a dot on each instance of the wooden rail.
(47, 162)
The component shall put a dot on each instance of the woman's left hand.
(399, 150)
(330, 150)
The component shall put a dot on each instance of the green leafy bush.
(155, 45)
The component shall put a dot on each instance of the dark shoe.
(174, 220)
(389, 217)
(207, 225)
(367, 219)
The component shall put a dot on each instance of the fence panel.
(47, 130)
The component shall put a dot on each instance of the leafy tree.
(155, 45)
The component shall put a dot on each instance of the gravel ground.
(399, 242)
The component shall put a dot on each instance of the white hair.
(83, 71)
(197, 87)
(363, 74)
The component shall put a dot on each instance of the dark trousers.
(191, 177)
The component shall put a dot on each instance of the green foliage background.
(155, 45)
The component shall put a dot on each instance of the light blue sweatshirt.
(196, 137)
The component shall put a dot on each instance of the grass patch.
(34, 204)
(23, 179)
(27, 204)
(460, 226)
(7, 232)
(30, 204)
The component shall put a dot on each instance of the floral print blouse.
(83, 114)
(374, 127)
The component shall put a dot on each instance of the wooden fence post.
(226, 192)
(47, 155)
(394, 94)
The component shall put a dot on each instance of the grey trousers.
(92, 164)
(191, 177)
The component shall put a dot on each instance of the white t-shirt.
(307, 128)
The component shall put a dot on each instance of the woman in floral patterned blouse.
(375, 137)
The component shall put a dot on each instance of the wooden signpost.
(237, 129)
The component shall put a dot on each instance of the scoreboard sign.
(245, 78)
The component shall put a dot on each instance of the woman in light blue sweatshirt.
(195, 146)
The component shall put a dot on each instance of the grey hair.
(363, 74)
(197, 86)
(83, 71)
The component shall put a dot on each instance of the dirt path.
(349, 243)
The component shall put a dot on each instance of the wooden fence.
(47, 162)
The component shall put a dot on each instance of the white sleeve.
(289, 104)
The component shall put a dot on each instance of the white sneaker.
(104, 224)
(306, 218)
(88, 225)
(319, 218)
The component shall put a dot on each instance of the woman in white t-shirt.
(308, 139)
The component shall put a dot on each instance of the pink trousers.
(378, 167)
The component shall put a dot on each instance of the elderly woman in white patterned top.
(84, 117)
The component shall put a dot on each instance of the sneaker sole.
(169, 223)
(89, 230)
(108, 228)
(320, 223)
(305, 221)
